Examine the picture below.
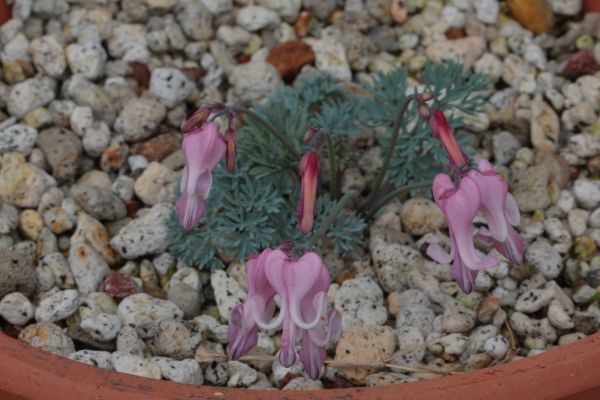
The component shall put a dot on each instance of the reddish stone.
(302, 24)
(591, 6)
(289, 57)
(157, 147)
(455, 33)
(132, 207)
(580, 63)
(193, 73)
(119, 286)
(5, 12)
(140, 72)
(243, 58)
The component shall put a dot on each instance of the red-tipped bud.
(310, 133)
(230, 154)
(197, 119)
(442, 131)
(309, 173)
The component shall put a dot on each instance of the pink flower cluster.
(299, 287)
(463, 196)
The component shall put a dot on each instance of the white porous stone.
(58, 306)
(139, 118)
(16, 308)
(89, 268)
(496, 347)
(254, 18)
(360, 301)
(134, 365)
(95, 358)
(103, 327)
(19, 138)
(544, 258)
(144, 235)
(170, 86)
(30, 94)
(487, 11)
(185, 371)
(330, 57)
(87, 59)
(240, 374)
(558, 317)
(587, 193)
(145, 313)
(228, 292)
(533, 300)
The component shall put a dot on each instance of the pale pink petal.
(287, 354)
(438, 254)
(189, 210)
(312, 357)
(460, 209)
(493, 190)
(512, 210)
(463, 276)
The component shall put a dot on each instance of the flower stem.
(269, 127)
(333, 189)
(391, 195)
(389, 152)
(332, 217)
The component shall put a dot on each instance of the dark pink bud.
(309, 172)
(230, 154)
(442, 131)
(197, 119)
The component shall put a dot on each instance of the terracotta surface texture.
(569, 372)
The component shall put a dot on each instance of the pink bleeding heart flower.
(442, 131)
(309, 173)
(460, 206)
(481, 191)
(302, 287)
(203, 148)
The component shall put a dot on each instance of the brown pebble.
(289, 57)
(535, 15)
(157, 147)
(302, 24)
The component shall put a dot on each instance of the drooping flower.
(459, 205)
(203, 148)
(442, 131)
(302, 286)
(309, 173)
(479, 191)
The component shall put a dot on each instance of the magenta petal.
(242, 335)
(512, 248)
(312, 357)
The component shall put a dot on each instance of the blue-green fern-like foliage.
(254, 207)
(418, 156)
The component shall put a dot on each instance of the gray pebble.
(145, 313)
(95, 358)
(104, 327)
(19, 138)
(147, 234)
(57, 307)
(16, 308)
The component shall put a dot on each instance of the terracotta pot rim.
(567, 372)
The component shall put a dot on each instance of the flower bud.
(230, 154)
(309, 173)
(197, 119)
(310, 133)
